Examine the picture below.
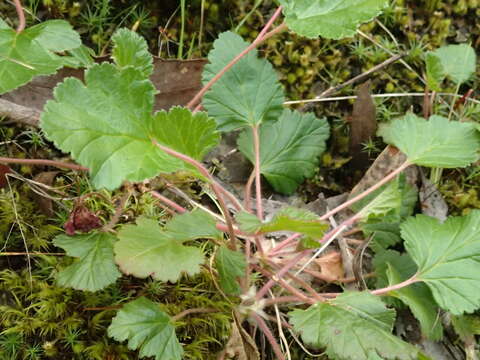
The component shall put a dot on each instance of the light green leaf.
(458, 62)
(466, 326)
(3, 24)
(387, 200)
(130, 49)
(289, 148)
(147, 250)
(107, 126)
(247, 94)
(353, 326)
(95, 267)
(32, 52)
(435, 71)
(193, 135)
(435, 143)
(419, 298)
(79, 57)
(230, 266)
(147, 328)
(448, 258)
(333, 19)
(193, 225)
(286, 219)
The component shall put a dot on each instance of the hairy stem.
(260, 38)
(54, 163)
(268, 334)
(169, 202)
(258, 185)
(21, 16)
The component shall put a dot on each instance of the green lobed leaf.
(107, 126)
(355, 325)
(193, 225)
(95, 267)
(399, 261)
(384, 235)
(147, 328)
(286, 219)
(247, 94)
(230, 266)
(436, 142)
(388, 199)
(448, 258)
(420, 301)
(81, 57)
(32, 52)
(458, 62)
(333, 19)
(435, 71)
(289, 148)
(145, 249)
(130, 49)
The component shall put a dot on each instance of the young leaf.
(95, 267)
(458, 62)
(230, 265)
(387, 200)
(286, 219)
(193, 225)
(81, 57)
(289, 148)
(108, 127)
(435, 142)
(435, 71)
(333, 19)
(31, 52)
(147, 328)
(448, 257)
(130, 49)
(419, 298)
(147, 250)
(248, 94)
(355, 325)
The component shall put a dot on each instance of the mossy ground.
(39, 320)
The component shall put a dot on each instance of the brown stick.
(19, 113)
(54, 163)
(21, 16)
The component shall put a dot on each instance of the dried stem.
(54, 163)
(21, 16)
(260, 38)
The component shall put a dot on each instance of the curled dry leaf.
(81, 219)
(44, 203)
(4, 170)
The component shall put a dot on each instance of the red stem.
(216, 187)
(258, 185)
(268, 334)
(21, 16)
(248, 192)
(288, 241)
(169, 202)
(360, 196)
(54, 163)
(259, 39)
(403, 284)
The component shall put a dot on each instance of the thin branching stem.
(216, 187)
(259, 39)
(21, 16)
(58, 164)
(193, 311)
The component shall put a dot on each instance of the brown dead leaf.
(432, 202)
(389, 159)
(363, 123)
(81, 219)
(177, 81)
(331, 266)
(4, 170)
(45, 204)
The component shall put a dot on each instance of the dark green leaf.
(146, 328)
(248, 94)
(289, 148)
(230, 266)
